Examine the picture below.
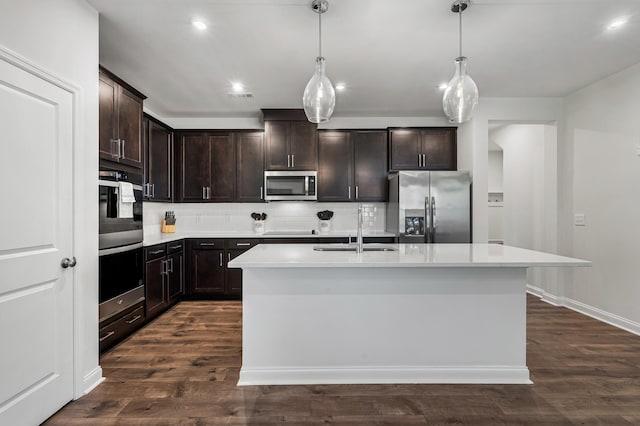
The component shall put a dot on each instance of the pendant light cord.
(460, 25)
(320, 30)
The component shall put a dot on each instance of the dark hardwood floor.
(183, 368)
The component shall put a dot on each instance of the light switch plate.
(578, 219)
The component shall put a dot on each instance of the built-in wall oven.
(120, 243)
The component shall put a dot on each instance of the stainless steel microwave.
(290, 186)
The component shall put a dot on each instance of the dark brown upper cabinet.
(120, 121)
(158, 161)
(352, 165)
(432, 148)
(219, 166)
(291, 141)
(249, 166)
(370, 165)
(193, 167)
(223, 167)
(335, 166)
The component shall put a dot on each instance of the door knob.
(66, 262)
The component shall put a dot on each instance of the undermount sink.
(351, 247)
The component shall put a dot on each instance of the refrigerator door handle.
(433, 219)
(427, 219)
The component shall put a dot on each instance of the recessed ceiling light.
(237, 87)
(199, 24)
(442, 86)
(340, 86)
(617, 23)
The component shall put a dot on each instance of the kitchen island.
(421, 313)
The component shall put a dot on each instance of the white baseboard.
(386, 375)
(583, 308)
(90, 381)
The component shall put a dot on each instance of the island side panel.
(384, 325)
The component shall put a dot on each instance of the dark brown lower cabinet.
(210, 275)
(120, 327)
(164, 280)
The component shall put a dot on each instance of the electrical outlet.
(578, 219)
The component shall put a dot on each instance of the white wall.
(603, 139)
(61, 37)
(494, 172)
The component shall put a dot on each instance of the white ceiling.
(392, 54)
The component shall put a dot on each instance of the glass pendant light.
(319, 98)
(461, 95)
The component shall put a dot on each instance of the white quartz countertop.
(405, 256)
(167, 238)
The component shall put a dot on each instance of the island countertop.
(404, 256)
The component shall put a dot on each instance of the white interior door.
(36, 293)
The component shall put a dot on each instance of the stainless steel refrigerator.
(430, 207)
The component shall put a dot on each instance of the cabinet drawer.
(120, 328)
(238, 244)
(154, 252)
(207, 244)
(175, 246)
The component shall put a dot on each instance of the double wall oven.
(120, 244)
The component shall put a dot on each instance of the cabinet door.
(439, 149)
(130, 127)
(107, 118)
(155, 292)
(249, 167)
(158, 162)
(175, 285)
(234, 275)
(335, 167)
(370, 165)
(207, 273)
(277, 151)
(405, 149)
(223, 167)
(195, 167)
(303, 145)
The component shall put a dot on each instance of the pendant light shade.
(461, 95)
(319, 98)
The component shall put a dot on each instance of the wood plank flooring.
(182, 370)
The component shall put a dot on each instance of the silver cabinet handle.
(157, 251)
(134, 319)
(288, 160)
(106, 336)
(68, 263)
(419, 160)
(208, 244)
(424, 160)
(153, 190)
(175, 247)
(293, 160)
(115, 147)
(208, 192)
(164, 268)
(221, 259)
(349, 191)
(357, 196)
(242, 244)
(261, 193)
(170, 265)
(228, 257)
(122, 143)
(204, 192)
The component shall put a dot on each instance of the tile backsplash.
(281, 217)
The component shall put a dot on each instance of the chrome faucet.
(359, 239)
